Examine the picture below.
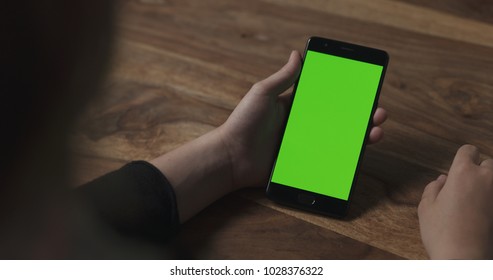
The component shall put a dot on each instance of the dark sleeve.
(136, 200)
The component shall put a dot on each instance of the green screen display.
(327, 125)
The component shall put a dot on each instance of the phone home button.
(306, 199)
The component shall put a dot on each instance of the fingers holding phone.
(330, 120)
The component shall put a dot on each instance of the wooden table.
(183, 65)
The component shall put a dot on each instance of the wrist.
(222, 159)
(250, 158)
(228, 147)
(199, 171)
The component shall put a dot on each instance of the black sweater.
(136, 200)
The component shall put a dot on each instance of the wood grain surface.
(181, 66)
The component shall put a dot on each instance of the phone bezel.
(323, 204)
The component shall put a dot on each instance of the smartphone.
(328, 125)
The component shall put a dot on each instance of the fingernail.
(442, 177)
(292, 53)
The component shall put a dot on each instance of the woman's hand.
(456, 213)
(252, 132)
(240, 152)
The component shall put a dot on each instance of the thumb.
(432, 190)
(280, 81)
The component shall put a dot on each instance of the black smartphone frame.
(315, 202)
